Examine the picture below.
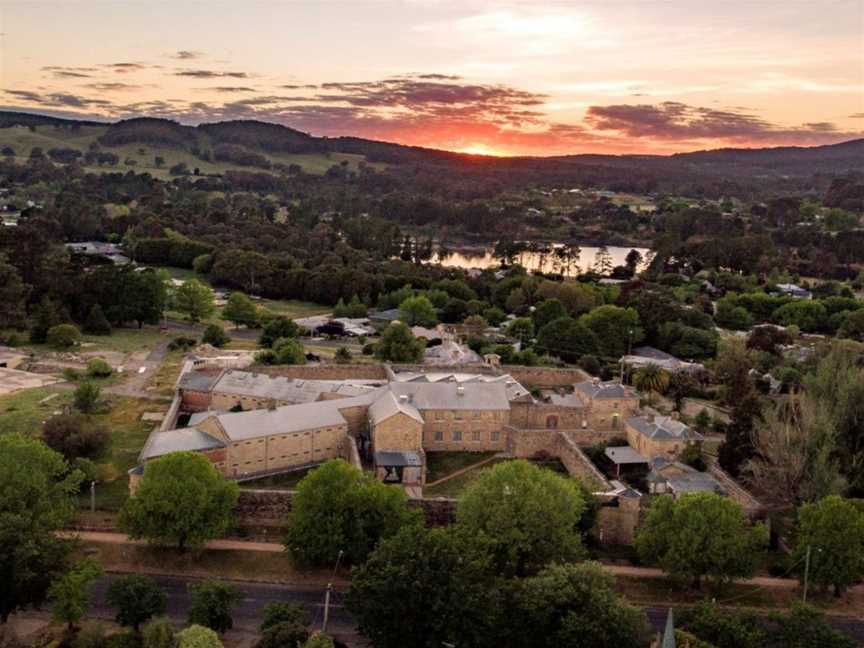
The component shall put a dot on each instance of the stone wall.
(399, 432)
(327, 371)
(616, 525)
(545, 377)
(564, 445)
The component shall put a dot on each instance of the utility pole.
(806, 573)
(93, 496)
(328, 593)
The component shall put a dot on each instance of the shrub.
(91, 635)
(63, 336)
(215, 335)
(86, 397)
(343, 355)
(96, 322)
(182, 344)
(74, 435)
(159, 633)
(98, 368)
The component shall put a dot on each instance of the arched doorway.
(552, 422)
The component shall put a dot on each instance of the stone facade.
(399, 433)
(465, 430)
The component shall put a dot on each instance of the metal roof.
(280, 388)
(389, 458)
(198, 380)
(190, 438)
(624, 455)
(240, 426)
(389, 405)
(453, 396)
(609, 390)
(663, 428)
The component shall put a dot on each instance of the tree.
(807, 627)
(13, 296)
(159, 633)
(63, 336)
(211, 604)
(494, 315)
(529, 516)
(96, 322)
(651, 379)
(75, 435)
(833, 530)
(567, 338)
(181, 481)
(98, 368)
(339, 508)
(418, 310)
(37, 499)
(548, 311)
(215, 335)
(574, 605)
(853, 326)
(280, 327)
(522, 329)
(135, 599)
(700, 535)
(398, 344)
(195, 299)
(283, 634)
(70, 594)
(48, 314)
(196, 636)
(807, 315)
(274, 613)
(286, 351)
(86, 397)
(342, 355)
(632, 261)
(240, 310)
(617, 329)
(319, 641)
(602, 261)
(408, 586)
(730, 315)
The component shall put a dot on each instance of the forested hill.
(252, 145)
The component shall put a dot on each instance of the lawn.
(25, 411)
(128, 434)
(166, 375)
(453, 488)
(287, 481)
(441, 464)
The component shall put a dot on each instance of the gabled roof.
(389, 405)
(240, 426)
(663, 428)
(191, 438)
(609, 390)
(292, 390)
(623, 455)
(452, 396)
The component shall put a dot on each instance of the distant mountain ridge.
(242, 139)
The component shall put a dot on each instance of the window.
(439, 416)
(496, 435)
(476, 415)
(552, 422)
(457, 416)
(439, 435)
(476, 437)
(457, 435)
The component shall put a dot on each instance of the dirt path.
(134, 382)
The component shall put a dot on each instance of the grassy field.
(22, 140)
(454, 487)
(441, 464)
(25, 411)
(287, 481)
(166, 375)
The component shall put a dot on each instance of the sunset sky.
(536, 78)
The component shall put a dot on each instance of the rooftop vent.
(404, 398)
(460, 390)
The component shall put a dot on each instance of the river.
(483, 258)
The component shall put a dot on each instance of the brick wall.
(480, 431)
(326, 371)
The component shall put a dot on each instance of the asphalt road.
(248, 612)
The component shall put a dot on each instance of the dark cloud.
(24, 95)
(306, 86)
(126, 68)
(187, 55)
(675, 121)
(857, 115)
(62, 72)
(440, 77)
(57, 99)
(211, 74)
(228, 89)
(112, 86)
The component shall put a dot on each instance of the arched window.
(552, 422)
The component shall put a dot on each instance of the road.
(248, 612)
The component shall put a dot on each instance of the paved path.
(134, 382)
(122, 538)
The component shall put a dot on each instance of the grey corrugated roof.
(624, 455)
(663, 427)
(389, 404)
(282, 420)
(279, 388)
(198, 381)
(190, 438)
(651, 352)
(609, 390)
(452, 396)
(389, 458)
(513, 387)
(695, 482)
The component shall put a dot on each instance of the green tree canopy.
(215, 335)
(568, 339)
(240, 310)
(135, 599)
(196, 636)
(616, 329)
(96, 322)
(181, 481)
(529, 516)
(548, 311)
(37, 498)
(86, 397)
(701, 535)
(574, 605)
(63, 336)
(279, 327)
(833, 529)
(211, 604)
(339, 508)
(159, 633)
(195, 300)
(410, 583)
(398, 344)
(70, 594)
(13, 296)
(418, 310)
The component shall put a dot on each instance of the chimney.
(675, 416)
(404, 398)
(460, 390)
(271, 404)
(595, 380)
